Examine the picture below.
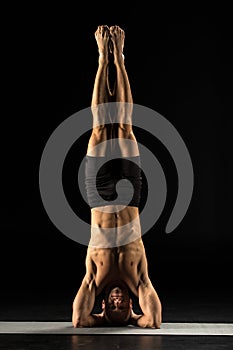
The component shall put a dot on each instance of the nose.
(117, 300)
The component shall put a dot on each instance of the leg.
(117, 127)
(123, 96)
(120, 131)
(100, 95)
(100, 92)
(122, 90)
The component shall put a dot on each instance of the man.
(116, 263)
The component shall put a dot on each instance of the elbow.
(78, 323)
(78, 320)
(154, 324)
(157, 321)
(157, 324)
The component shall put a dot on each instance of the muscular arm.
(150, 305)
(148, 300)
(84, 303)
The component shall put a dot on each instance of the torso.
(126, 255)
(120, 263)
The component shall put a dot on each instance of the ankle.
(119, 59)
(103, 58)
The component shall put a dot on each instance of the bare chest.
(117, 263)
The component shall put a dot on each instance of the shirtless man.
(116, 263)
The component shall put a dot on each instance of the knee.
(125, 130)
(99, 133)
(98, 129)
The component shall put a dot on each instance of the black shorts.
(103, 174)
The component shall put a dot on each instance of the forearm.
(150, 305)
(84, 303)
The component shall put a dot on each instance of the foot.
(117, 37)
(102, 35)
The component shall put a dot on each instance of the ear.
(103, 304)
(131, 303)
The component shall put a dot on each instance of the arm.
(149, 302)
(84, 303)
(150, 305)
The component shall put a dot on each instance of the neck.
(117, 283)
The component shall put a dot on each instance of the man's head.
(117, 304)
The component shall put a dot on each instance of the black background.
(180, 63)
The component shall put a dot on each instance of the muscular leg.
(120, 131)
(123, 96)
(103, 127)
(123, 90)
(100, 96)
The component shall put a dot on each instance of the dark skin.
(121, 268)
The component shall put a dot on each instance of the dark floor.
(201, 305)
(125, 342)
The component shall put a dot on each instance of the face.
(117, 305)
